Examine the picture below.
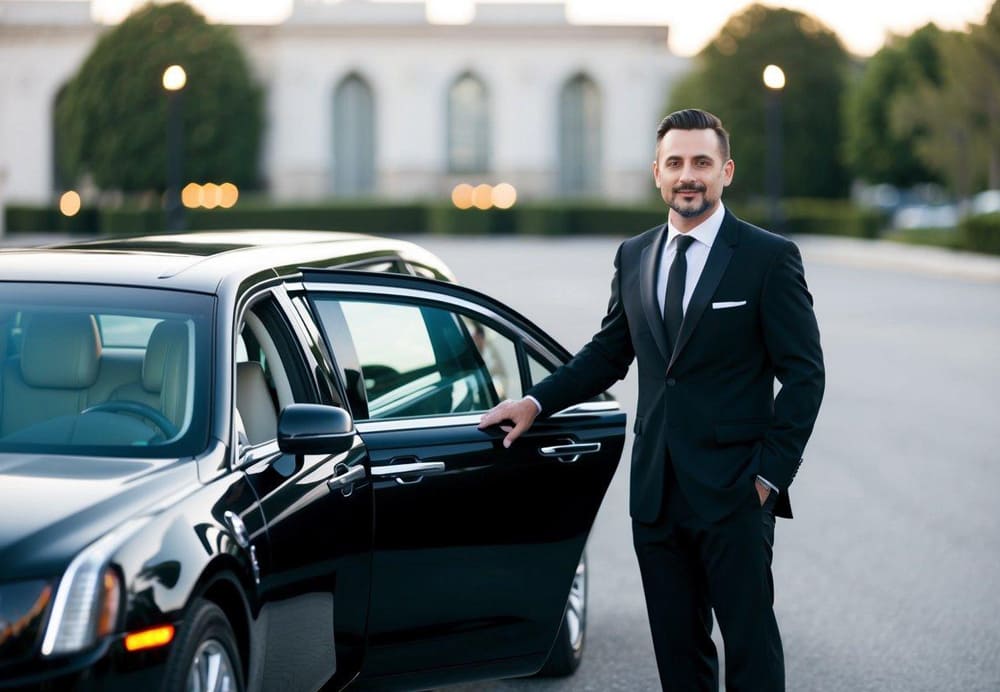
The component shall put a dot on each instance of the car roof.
(204, 261)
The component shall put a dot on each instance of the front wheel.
(205, 657)
(567, 652)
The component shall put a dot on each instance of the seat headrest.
(167, 336)
(60, 350)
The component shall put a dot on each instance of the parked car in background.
(251, 461)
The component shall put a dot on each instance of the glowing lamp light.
(504, 195)
(174, 78)
(461, 196)
(149, 639)
(69, 203)
(228, 194)
(774, 77)
(191, 195)
(482, 197)
(211, 195)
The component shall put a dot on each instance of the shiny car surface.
(251, 461)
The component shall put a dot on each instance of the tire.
(567, 651)
(206, 642)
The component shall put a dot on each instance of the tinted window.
(415, 360)
(101, 370)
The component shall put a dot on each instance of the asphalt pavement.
(888, 579)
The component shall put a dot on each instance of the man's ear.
(728, 169)
(656, 175)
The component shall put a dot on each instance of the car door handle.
(345, 481)
(408, 473)
(571, 452)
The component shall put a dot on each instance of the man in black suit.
(713, 309)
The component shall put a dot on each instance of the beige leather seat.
(164, 372)
(254, 403)
(59, 362)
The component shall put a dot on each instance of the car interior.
(62, 385)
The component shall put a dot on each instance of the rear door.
(475, 546)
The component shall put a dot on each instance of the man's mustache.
(689, 188)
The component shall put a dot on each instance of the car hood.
(52, 507)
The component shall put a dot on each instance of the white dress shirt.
(704, 235)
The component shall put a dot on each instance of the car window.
(269, 372)
(537, 370)
(419, 360)
(100, 370)
(499, 355)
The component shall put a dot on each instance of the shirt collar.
(705, 232)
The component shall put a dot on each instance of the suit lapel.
(648, 269)
(715, 266)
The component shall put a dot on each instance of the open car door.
(475, 546)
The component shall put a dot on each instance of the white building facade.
(371, 100)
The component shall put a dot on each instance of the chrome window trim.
(455, 420)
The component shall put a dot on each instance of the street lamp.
(774, 80)
(174, 79)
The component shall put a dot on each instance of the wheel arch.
(222, 584)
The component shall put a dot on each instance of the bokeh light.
(228, 194)
(174, 78)
(461, 196)
(69, 203)
(211, 195)
(504, 195)
(774, 77)
(191, 195)
(482, 197)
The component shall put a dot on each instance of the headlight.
(22, 616)
(89, 596)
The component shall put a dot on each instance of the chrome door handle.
(401, 471)
(346, 481)
(571, 452)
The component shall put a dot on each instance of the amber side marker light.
(149, 639)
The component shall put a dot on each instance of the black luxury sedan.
(251, 461)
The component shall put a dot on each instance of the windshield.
(104, 370)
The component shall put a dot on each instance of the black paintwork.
(459, 576)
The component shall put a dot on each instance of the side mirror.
(315, 429)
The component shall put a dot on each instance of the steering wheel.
(144, 411)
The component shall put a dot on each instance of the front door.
(315, 573)
(475, 546)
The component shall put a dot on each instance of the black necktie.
(673, 302)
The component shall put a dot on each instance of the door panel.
(474, 552)
(315, 577)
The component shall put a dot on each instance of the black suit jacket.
(711, 401)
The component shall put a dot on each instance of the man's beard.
(690, 212)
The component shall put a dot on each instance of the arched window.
(468, 126)
(579, 137)
(353, 137)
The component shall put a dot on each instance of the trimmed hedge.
(981, 233)
(818, 217)
(30, 219)
(831, 217)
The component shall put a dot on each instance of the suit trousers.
(690, 568)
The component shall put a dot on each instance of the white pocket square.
(722, 305)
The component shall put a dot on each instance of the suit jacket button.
(671, 381)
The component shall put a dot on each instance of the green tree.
(955, 122)
(727, 80)
(111, 120)
(872, 150)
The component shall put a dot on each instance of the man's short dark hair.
(694, 119)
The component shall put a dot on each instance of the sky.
(861, 24)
